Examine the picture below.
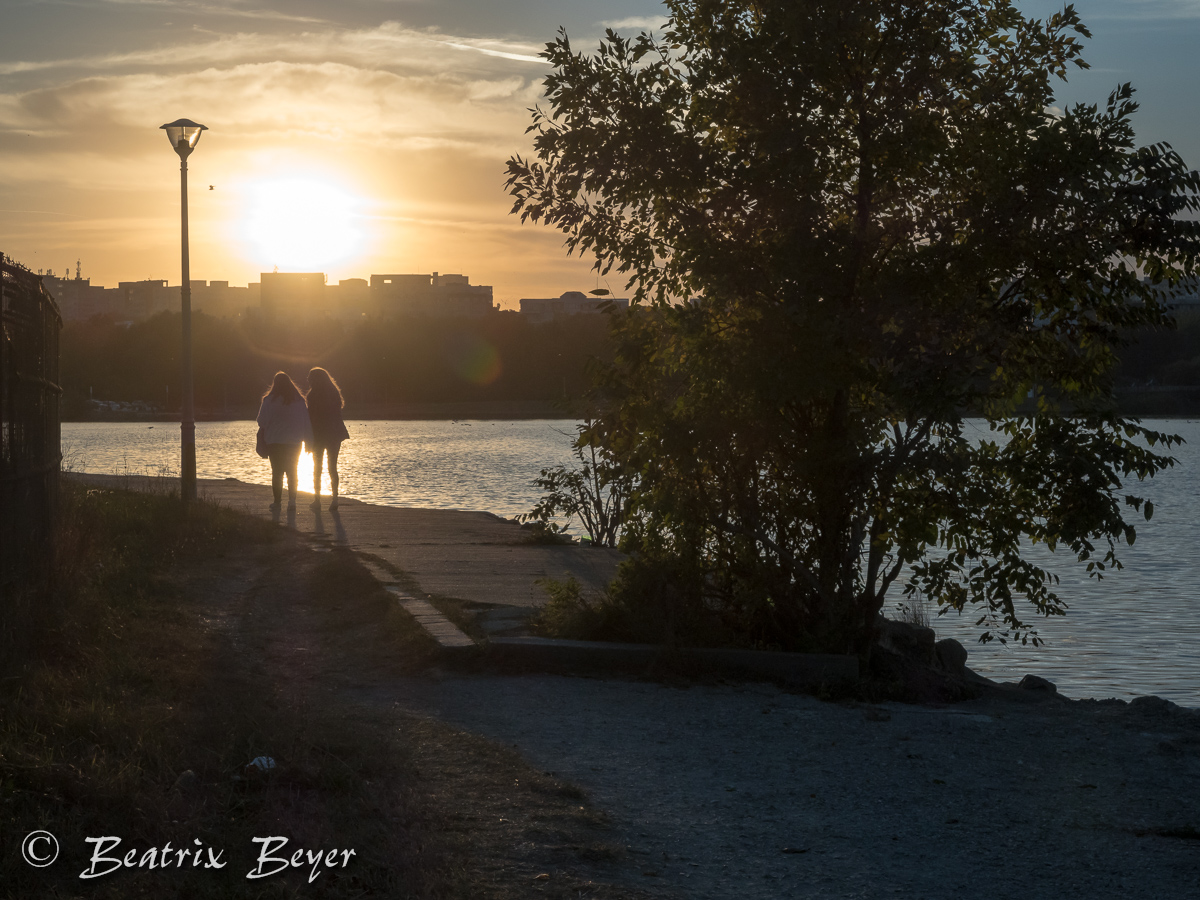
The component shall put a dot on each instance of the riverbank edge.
(477, 410)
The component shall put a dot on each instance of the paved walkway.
(473, 556)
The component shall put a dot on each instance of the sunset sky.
(360, 136)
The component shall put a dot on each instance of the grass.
(166, 650)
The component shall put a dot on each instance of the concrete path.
(472, 556)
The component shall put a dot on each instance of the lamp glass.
(183, 134)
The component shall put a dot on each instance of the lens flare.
(474, 360)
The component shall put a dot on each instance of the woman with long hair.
(328, 428)
(285, 426)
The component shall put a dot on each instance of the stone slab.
(445, 632)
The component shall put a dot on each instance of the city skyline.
(307, 294)
(359, 136)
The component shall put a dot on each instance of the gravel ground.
(750, 792)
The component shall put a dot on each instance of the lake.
(1135, 632)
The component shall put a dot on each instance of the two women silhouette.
(287, 421)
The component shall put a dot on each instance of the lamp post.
(184, 135)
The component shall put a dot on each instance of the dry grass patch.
(167, 651)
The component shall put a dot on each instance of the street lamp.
(184, 134)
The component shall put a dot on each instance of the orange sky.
(359, 136)
(334, 147)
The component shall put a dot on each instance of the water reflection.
(1137, 631)
(442, 465)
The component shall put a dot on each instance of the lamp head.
(183, 135)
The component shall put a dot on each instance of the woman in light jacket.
(328, 428)
(283, 417)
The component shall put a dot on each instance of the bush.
(647, 603)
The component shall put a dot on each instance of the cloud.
(351, 84)
(390, 46)
(280, 100)
(481, 47)
(398, 114)
(657, 24)
(418, 121)
(41, 212)
(219, 9)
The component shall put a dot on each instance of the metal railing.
(30, 451)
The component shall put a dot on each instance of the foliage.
(883, 225)
(109, 551)
(643, 605)
(594, 490)
(568, 614)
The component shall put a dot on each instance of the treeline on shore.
(1162, 357)
(502, 365)
(385, 367)
(1159, 372)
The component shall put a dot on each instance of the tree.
(881, 225)
(593, 489)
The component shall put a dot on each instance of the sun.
(303, 223)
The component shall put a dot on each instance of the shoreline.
(478, 410)
(470, 554)
(490, 410)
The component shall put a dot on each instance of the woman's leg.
(293, 465)
(277, 454)
(318, 452)
(333, 473)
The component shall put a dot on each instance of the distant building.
(350, 298)
(218, 299)
(572, 303)
(142, 299)
(78, 298)
(292, 294)
(429, 295)
(278, 295)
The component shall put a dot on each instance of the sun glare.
(302, 223)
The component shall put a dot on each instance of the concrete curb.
(604, 657)
(440, 628)
(794, 668)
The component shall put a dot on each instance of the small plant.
(547, 532)
(595, 491)
(914, 609)
(567, 613)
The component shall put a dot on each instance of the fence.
(30, 455)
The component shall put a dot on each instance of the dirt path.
(311, 629)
